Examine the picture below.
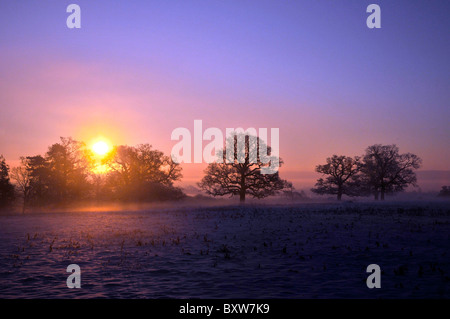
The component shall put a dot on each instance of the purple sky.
(136, 70)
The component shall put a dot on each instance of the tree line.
(68, 173)
(381, 170)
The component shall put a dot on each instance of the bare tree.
(21, 175)
(240, 170)
(68, 170)
(142, 173)
(142, 163)
(342, 176)
(387, 171)
(59, 177)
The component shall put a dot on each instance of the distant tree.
(68, 171)
(61, 176)
(342, 176)
(291, 193)
(240, 171)
(386, 171)
(6, 188)
(21, 175)
(444, 192)
(39, 180)
(142, 173)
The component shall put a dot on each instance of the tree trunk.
(376, 195)
(242, 197)
(339, 194)
(25, 200)
(382, 194)
(243, 189)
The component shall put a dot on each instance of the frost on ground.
(302, 251)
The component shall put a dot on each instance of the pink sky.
(327, 82)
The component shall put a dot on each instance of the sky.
(137, 70)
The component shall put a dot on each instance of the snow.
(279, 251)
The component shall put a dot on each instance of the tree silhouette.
(386, 171)
(444, 192)
(21, 175)
(60, 177)
(39, 180)
(240, 170)
(68, 170)
(66, 174)
(142, 173)
(292, 194)
(6, 188)
(342, 176)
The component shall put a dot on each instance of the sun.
(101, 148)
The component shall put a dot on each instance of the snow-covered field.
(302, 251)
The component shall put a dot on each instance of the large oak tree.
(341, 176)
(386, 171)
(241, 170)
(142, 173)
